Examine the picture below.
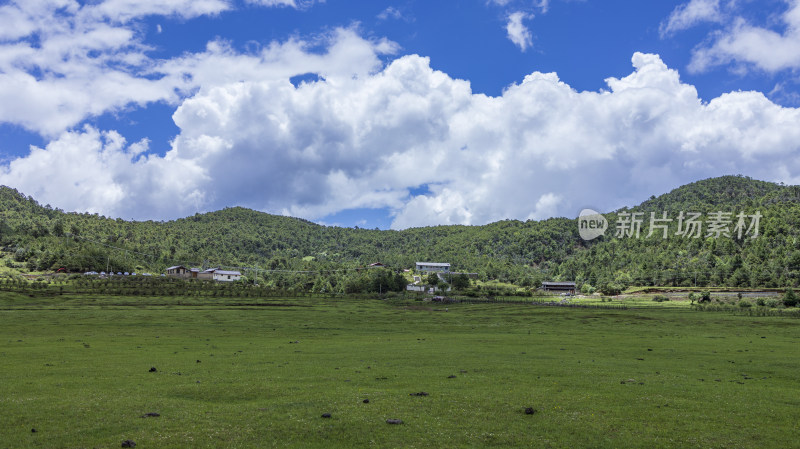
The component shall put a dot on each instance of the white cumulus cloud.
(540, 149)
(62, 61)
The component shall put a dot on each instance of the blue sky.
(392, 114)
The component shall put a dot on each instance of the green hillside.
(772, 259)
(36, 238)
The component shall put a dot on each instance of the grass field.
(247, 373)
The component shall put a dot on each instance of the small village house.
(178, 271)
(227, 276)
(214, 274)
(219, 275)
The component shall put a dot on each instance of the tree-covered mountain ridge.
(41, 238)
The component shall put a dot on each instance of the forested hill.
(720, 193)
(772, 259)
(39, 238)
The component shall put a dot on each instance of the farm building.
(178, 271)
(227, 276)
(220, 275)
(215, 274)
(559, 287)
(433, 267)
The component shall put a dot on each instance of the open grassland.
(260, 373)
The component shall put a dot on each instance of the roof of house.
(175, 267)
(558, 284)
(222, 272)
(434, 264)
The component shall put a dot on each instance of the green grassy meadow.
(260, 373)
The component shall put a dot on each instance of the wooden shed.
(560, 287)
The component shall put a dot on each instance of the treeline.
(295, 253)
(375, 283)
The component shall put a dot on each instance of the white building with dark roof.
(227, 276)
(433, 267)
(220, 275)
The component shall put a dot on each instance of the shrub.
(717, 307)
(745, 304)
(21, 255)
(761, 302)
(611, 289)
(471, 293)
(790, 298)
(660, 298)
(461, 282)
(772, 302)
(705, 296)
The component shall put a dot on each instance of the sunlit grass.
(260, 373)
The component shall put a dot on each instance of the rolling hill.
(39, 238)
